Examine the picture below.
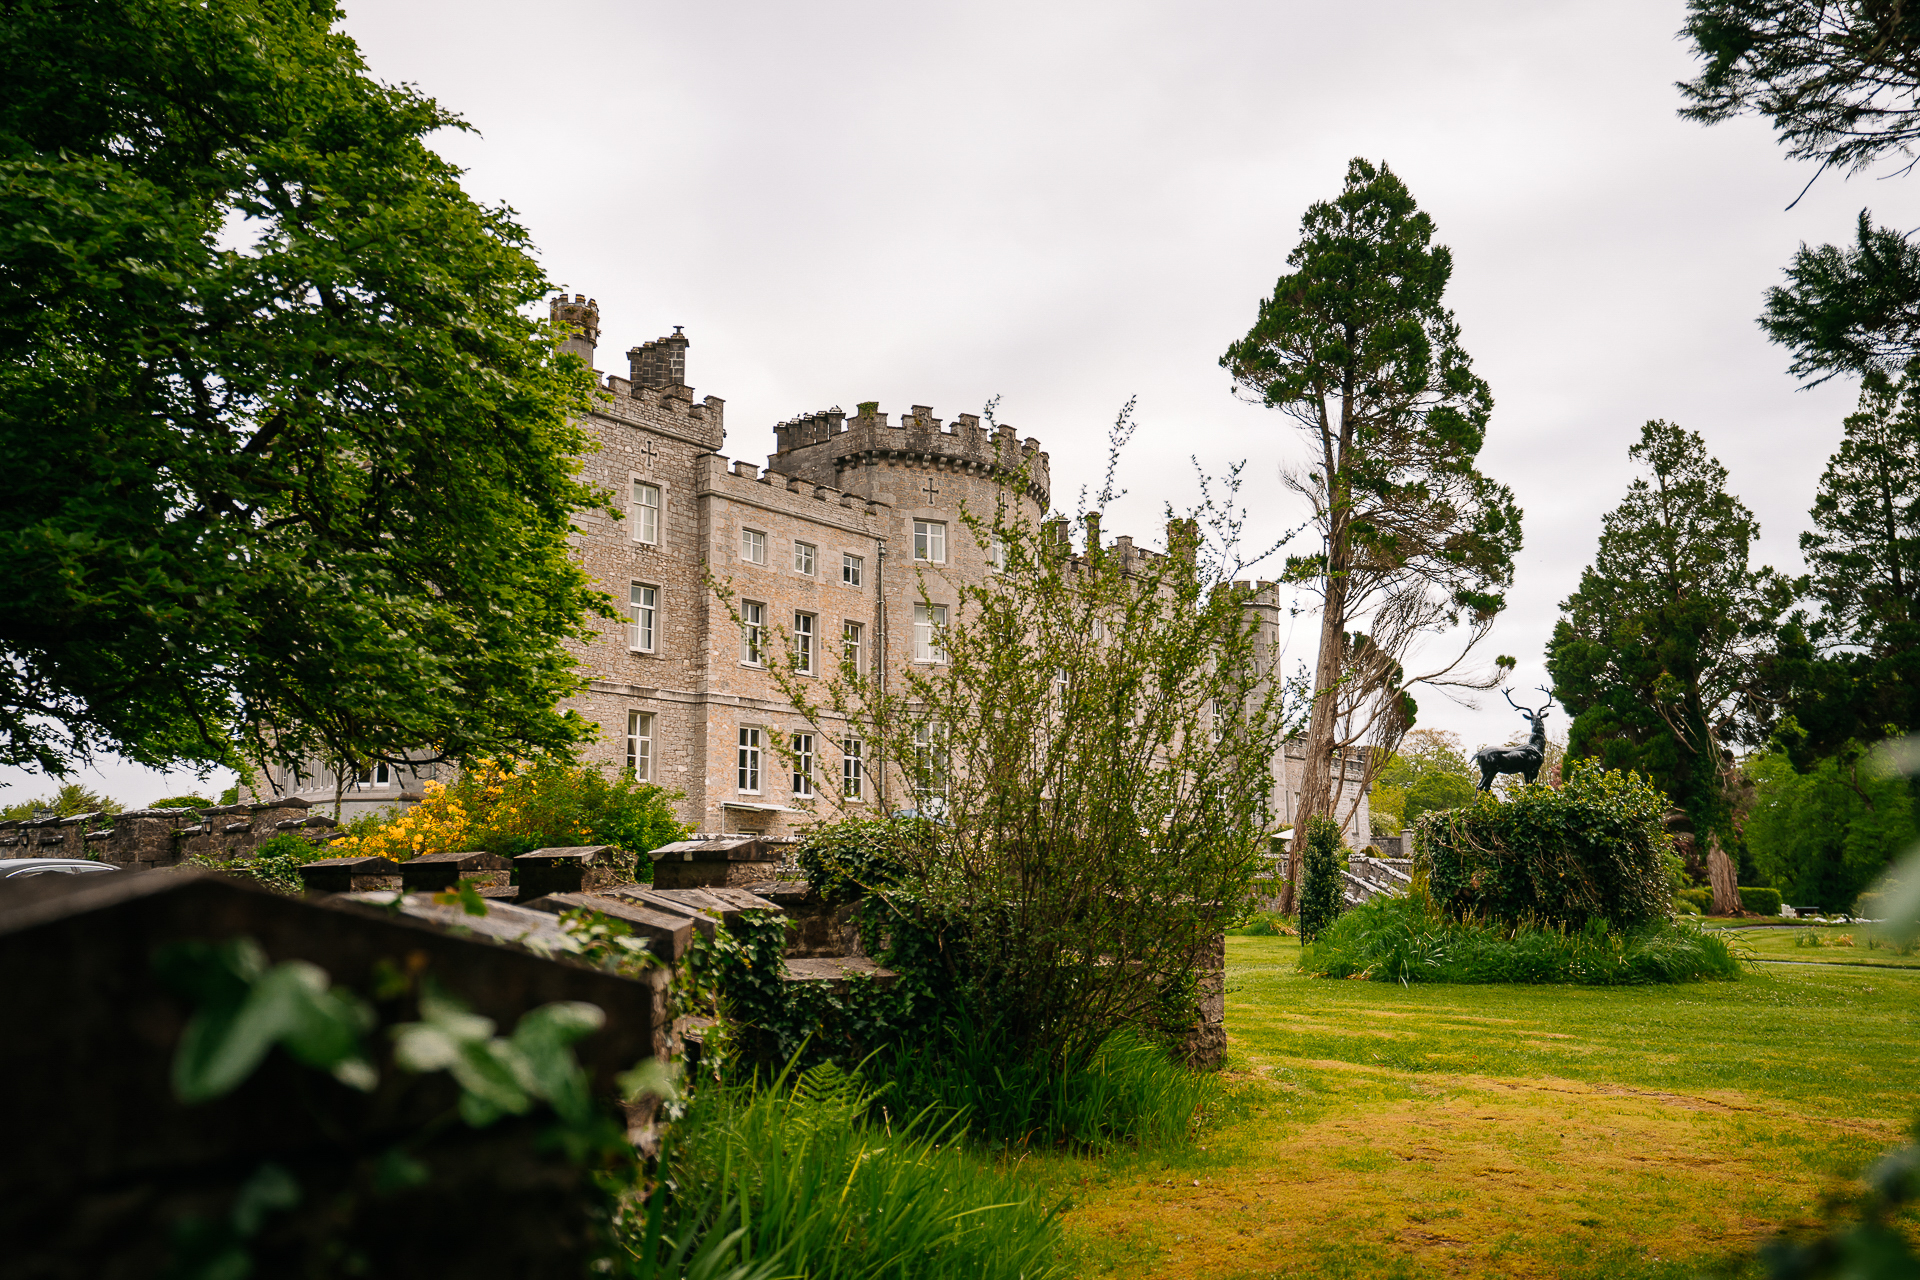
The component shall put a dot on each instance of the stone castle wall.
(146, 839)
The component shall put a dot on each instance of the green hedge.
(1406, 940)
(1595, 849)
(1761, 902)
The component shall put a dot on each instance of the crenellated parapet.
(829, 442)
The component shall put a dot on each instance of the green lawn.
(1839, 944)
(1539, 1131)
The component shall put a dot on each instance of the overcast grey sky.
(1067, 204)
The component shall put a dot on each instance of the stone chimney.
(661, 363)
(580, 319)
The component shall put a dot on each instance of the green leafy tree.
(1823, 835)
(1840, 83)
(1430, 771)
(1850, 674)
(291, 469)
(1093, 743)
(1653, 653)
(1356, 346)
(69, 799)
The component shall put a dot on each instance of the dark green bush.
(1320, 887)
(275, 864)
(1406, 939)
(1761, 902)
(1595, 849)
(1699, 896)
(847, 860)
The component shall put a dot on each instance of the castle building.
(823, 548)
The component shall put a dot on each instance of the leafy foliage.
(1823, 836)
(1356, 346)
(305, 498)
(1759, 900)
(1851, 673)
(70, 799)
(1405, 939)
(848, 860)
(274, 864)
(1430, 771)
(1654, 652)
(1837, 80)
(1593, 850)
(1095, 749)
(182, 802)
(1320, 895)
(513, 808)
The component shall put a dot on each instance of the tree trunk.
(1316, 777)
(1720, 872)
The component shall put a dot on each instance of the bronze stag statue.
(1525, 761)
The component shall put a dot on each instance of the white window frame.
(806, 642)
(802, 764)
(850, 567)
(997, 553)
(753, 633)
(747, 761)
(753, 546)
(929, 625)
(643, 626)
(640, 745)
(852, 642)
(931, 778)
(852, 771)
(645, 515)
(930, 541)
(378, 774)
(805, 557)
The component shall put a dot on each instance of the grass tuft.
(1405, 939)
(808, 1179)
(1130, 1093)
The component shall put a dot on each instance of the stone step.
(837, 971)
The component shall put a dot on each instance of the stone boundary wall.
(143, 839)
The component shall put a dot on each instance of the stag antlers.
(1528, 711)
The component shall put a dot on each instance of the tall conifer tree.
(1655, 649)
(1356, 346)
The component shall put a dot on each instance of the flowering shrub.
(512, 807)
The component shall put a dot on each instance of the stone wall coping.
(561, 855)
(469, 860)
(726, 849)
(370, 865)
(287, 802)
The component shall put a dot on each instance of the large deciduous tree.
(1654, 651)
(290, 467)
(1357, 347)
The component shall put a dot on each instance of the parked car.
(21, 868)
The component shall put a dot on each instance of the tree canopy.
(291, 467)
(1357, 347)
(1835, 77)
(1849, 672)
(1653, 652)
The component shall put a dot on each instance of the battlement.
(746, 482)
(629, 399)
(918, 435)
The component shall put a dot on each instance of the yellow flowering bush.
(510, 807)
